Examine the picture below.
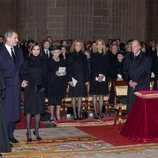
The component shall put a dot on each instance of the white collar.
(46, 50)
(8, 47)
(137, 54)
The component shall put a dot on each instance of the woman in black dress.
(4, 140)
(116, 72)
(78, 76)
(64, 52)
(34, 92)
(56, 82)
(99, 65)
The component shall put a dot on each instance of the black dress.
(4, 140)
(78, 69)
(99, 64)
(112, 66)
(56, 84)
(116, 69)
(34, 93)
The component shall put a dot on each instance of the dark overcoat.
(136, 69)
(4, 140)
(13, 73)
(78, 69)
(34, 93)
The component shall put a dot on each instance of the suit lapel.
(6, 53)
(140, 56)
(137, 59)
(7, 58)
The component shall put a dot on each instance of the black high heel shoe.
(75, 117)
(101, 116)
(1, 155)
(37, 136)
(96, 116)
(51, 119)
(79, 117)
(29, 139)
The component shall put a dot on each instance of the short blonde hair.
(72, 48)
(104, 47)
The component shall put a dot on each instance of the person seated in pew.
(116, 72)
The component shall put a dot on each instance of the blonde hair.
(72, 48)
(104, 47)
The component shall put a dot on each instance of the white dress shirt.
(47, 52)
(9, 49)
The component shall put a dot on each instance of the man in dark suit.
(136, 72)
(13, 70)
(46, 50)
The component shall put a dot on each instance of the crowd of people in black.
(48, 67)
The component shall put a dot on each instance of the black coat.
(116, 69)
(78, 69)
(56, 84)
(34, 92)
(4, 140)
(13, 73)
(99, 64)
(136, 69)
(112, 66)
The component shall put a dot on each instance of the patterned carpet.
(86, 122)
(70, 142)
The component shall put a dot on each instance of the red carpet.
(109, 134)
(22, 123)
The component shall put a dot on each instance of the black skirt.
(79, 90)
(98, 88)
(33, 100)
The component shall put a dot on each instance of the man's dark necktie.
(47, 53)
(13, 54)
